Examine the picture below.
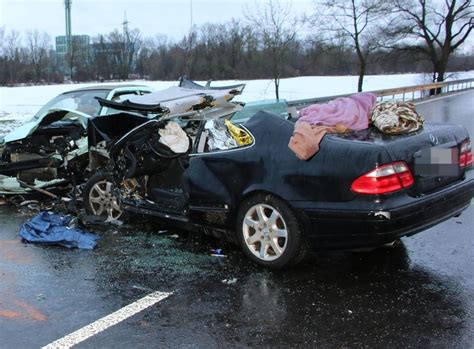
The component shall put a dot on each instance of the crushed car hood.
(53, 115)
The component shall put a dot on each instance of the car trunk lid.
(431, 153)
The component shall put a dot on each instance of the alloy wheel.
(265, 232)
(103, 202)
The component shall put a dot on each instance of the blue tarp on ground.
(49, 228)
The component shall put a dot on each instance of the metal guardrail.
(409, 93)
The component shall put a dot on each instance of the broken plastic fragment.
(241, 136)
(28, 202)
(217, 253)
(114, 221)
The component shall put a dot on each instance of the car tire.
(99, 198)
(269, 232)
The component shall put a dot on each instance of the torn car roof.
(175, 100)
(173, 93)
(185, 82)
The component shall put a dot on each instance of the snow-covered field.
(18, 104)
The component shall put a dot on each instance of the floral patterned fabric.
(396, 117)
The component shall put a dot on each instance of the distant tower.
(191, 10)
(125, 23)
(126, 35)
(67, 7)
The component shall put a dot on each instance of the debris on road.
(114, 221)
(217, 253)
(142, 288)
(50, 228)
(32, 205)
(39, 190)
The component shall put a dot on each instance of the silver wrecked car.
(52, 147)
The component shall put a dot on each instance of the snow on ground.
(18, 104)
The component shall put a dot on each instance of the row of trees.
(427, 29)
(28, 59)
(345, 37)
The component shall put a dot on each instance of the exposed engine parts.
(43, 155)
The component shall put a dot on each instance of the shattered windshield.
(83, 101)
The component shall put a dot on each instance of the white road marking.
(437, 99)
(104, 323)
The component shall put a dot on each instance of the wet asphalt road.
(457, 108)
(420, 294)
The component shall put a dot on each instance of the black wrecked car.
(243, 184)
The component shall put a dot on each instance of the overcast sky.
(170, 17)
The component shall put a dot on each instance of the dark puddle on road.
(345, 300)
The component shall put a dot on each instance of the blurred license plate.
(437, 161)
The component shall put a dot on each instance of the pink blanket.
(352, 112)
(337, 116)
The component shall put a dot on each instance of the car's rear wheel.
(269, 233)
(99, 197)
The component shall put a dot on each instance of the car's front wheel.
(269, 232)
(99, 197)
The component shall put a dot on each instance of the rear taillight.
(384, 179)
(465, 156)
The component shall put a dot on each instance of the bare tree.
(357, 23)
(236, 38)
(2, 38)
(38, 46)
(124, 47)
(11, 47)
(209, 37)
(143, 57)
(441, 26)
(278, 28)
(102, 58)
(188, 45)
(133, 44)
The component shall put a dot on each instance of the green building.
(80, 47)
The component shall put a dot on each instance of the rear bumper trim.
(349, 228)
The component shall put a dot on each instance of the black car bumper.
(361, 224)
